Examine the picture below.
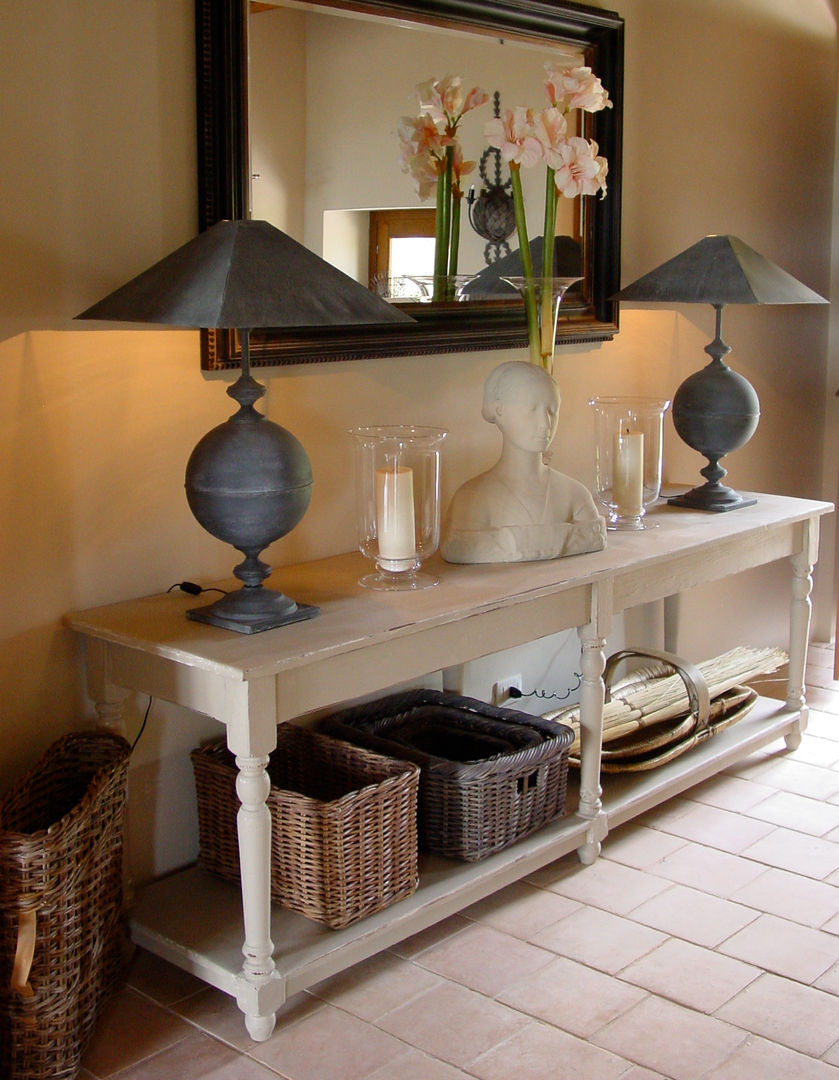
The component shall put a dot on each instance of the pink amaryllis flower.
(444, 101)
(551, 129)
(581, 171)
(514, 134)
(575, 88)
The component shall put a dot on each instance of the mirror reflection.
(299, 110)
(327, 91)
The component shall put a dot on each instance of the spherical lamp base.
(248, 483)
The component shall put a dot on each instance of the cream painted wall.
(730, 113)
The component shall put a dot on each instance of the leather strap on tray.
(692, 677)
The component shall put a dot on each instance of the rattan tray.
(61, 842)
(489, 776)
(343, 824)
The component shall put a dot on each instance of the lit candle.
(628, 473)
(395, 514)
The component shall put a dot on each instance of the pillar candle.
(628, 473)
(395, 513)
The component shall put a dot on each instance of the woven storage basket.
(489, 776)
(343, 824)
(61, 841)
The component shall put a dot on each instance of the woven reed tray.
(489, 776)
(61, 843)
(343, 824)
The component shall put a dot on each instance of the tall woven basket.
(61, 840)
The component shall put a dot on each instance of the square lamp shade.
(716, 410)
(248, 481)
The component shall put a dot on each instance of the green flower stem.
(454, 240)
(526, 265)
(442, 229)
(546, 322)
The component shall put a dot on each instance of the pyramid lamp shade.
(716, 410)
(248, 481)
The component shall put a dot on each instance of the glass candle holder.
(397, 473)
(628, 438)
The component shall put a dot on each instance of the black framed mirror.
(225, 45)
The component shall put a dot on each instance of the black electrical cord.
(514, 692)
(143, 725)
(193, 589)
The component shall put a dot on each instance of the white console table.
(364, 642)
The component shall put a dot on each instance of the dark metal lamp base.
(252, 609)
(714, 497)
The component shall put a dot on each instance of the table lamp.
(716, 410)
(248, 481)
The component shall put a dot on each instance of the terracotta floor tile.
(521, 909)
(759, 1059)
(689, 975)
(717, 828)
(790, 896)
(797, 812)
(417, 943)
(787, 948)
(818, 751)
(829, 981)
(329, 1043)
(484, 959)
(822, 700)
(159, 980)
(218, 1014)
(418, 1066)
(198, 1057)
(374, 987)
(706, 869)
(824, 725)
(572, 997)
(731, 793)
(694, 1045)
(786, 849)
(129, 1029)
(694, 916)
(452, 1023)
(599, 939)
(535, 1054)
(784, 1011)
(608, 885)
(640, 846)
(812, 781)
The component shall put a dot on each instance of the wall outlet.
(501, 689)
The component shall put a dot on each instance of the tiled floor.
(703, 944)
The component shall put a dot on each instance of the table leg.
(799, 628)
(254, 828)
(592, 688)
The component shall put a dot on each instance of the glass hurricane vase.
(542, 297)
(627, 447)
(397, 481)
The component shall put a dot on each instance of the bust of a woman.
(521, 509)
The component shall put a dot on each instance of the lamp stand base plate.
(251, 610)
(713, 497)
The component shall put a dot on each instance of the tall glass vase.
(542, 297)
(628, 440)
(397, 471)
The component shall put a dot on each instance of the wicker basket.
(343, 824)
(489, 776)
(61, 839)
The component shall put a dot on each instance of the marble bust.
(521, 509)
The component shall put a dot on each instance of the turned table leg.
(799, 628)
(592, 688)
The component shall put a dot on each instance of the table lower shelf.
(194, 920)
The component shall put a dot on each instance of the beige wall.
(730, 112)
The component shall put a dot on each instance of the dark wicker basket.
(343, 824)
(489, 776)
(61, 842)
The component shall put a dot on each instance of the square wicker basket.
(489, 776)
(61, 844)
(343, 824)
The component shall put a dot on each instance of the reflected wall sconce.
(716, 410)
(248, 481)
